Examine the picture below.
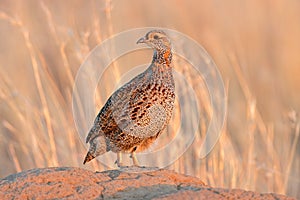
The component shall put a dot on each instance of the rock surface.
(130, 183)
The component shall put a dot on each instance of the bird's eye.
(155, 37)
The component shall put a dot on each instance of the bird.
(139, 111)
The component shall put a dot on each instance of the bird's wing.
(102, 120)
(105, 122)
(130, 109)
(137, 114)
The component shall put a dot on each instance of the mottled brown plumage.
(138, 112)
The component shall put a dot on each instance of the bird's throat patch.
(167, 56)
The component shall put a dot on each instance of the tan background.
(255, 44)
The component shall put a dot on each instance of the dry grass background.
(255, 44)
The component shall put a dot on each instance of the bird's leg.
(119, 160)
(134, 159)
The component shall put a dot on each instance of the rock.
(130, 183)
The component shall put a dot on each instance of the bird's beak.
(141, 40)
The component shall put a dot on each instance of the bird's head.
(156, 39)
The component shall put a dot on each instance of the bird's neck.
(161, 67)
(162, 57)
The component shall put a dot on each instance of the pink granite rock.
(131, 183)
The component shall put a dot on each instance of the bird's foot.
(120, 164)
(134, 160)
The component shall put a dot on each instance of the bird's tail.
(88, 157)
(98, 146)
